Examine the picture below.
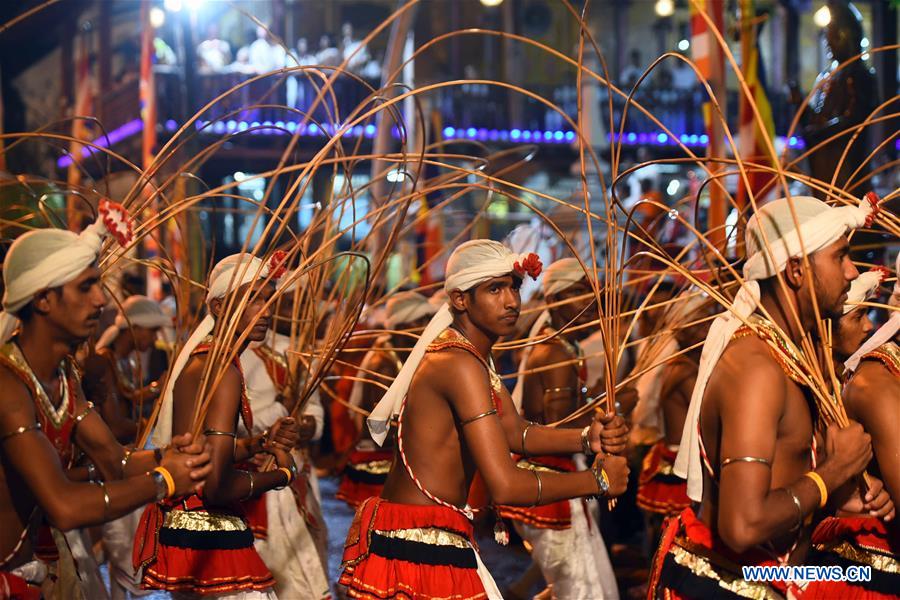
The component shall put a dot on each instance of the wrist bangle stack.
(288, 473)
(602, 480)
(585, 440)
(820, 483)
(170, 481)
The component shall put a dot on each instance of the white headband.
(136, 311)
(471, 264)
(227, 276)
(886, 332)
(64, 255)
(819, 226)
(558, 277)
(407, 307)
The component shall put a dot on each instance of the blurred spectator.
(328, 55)
(164, 54)
(683, 76)
(264, 55)
(632, 71)
(213, 53)
(354, 51)
(298, 86)
(372, 70)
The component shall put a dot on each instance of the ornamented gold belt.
(197, 520)
(427, 535)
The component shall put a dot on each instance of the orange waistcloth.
(659, 489)
(373, 576)
(691, 563)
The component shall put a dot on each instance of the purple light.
(515, 134)
(704, 139)
(482, 134)
(662, 138)
(526, 135)
(642, 138)
(449, 132)
(570, 136)
(471, 132)
(493, 135)
(219, 127)
(171, 125)
(558, 136)
(114, 137)
(370, 131)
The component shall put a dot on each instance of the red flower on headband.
(117, 221)
(277, 264)
(873, 200)
(531, 265)
(883, 271)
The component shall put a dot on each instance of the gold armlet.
(745, 459)
(493, 411)
(19, 431)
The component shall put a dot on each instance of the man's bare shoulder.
(548, 353)
(748, 367)
(446, 369)
(871, 388)
(197, 367)
(17, 405)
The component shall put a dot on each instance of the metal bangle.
(102, 485)
(125, 457)
(799, 508)
(488, 413)
(209, 432)
(585, 442)
(540, 486)
(20, 430)
(250, 477)
(524, 436)
(745, 459)
(92, 473)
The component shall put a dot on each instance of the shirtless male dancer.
(114, 380)
(368, 465)
(748, 450)
(565, 537)
(872, 397)
(52, 302)
(290, 531)
(457, 420)
(201, 545)
(661, 493)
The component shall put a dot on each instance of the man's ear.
(458, 300)
(794, 273)
(41, 302)
(215, 307)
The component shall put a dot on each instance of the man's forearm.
(539, 439)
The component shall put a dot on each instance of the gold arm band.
(745, 459)
(525, 436)
(493, 411)
(558, 389)
(84, 413)
(820, 483)
(19, 431)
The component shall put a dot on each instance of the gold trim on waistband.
(702, 567)
(427, 535)
(375, 467)
(875, 559)
(196, 520)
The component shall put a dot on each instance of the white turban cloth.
(471, 264)
(407, 307)
(227, 276)
(558, 277)
(136, 311)
(48, 258)
(886, 332)
(862, 288)
(817, 225)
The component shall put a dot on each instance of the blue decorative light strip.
(480, 134)
(105, 141)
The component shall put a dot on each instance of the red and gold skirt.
(857, 541)
(410, 552)
(13, 587)
(557, 515)
(691, 564)
(183, 547)
(364, 475)
(660, 490)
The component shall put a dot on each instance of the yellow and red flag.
(752, 131)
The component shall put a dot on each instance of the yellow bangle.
(170, 482)
(287, 472)
(820, 483)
